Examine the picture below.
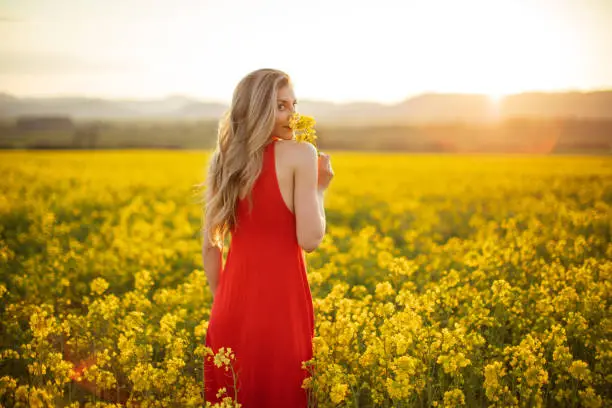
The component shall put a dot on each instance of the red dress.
(263, 306)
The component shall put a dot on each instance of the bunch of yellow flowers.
(304, 128)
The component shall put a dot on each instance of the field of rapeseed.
(443, 281)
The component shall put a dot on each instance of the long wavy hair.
(243, 132)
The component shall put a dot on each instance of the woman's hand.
(325, 173)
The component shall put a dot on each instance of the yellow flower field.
(442, 281)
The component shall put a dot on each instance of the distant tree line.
(527, 135)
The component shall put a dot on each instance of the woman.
(267, 191)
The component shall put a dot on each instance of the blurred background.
(418, 76)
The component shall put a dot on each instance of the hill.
(426, 108)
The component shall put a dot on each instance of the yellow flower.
(303, 126)
(99, 285)
(224, 357)
(493, 373)
(383, 290)
(454, 398)
(221, 391)
(580, 370)
(338, 392)
(590, 399)
(451, 363)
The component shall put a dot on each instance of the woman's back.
(263, 306)
(272, 215)
(284, 158)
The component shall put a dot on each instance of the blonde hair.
(236, 162)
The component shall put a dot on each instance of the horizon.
(493, 98)
(143, 50)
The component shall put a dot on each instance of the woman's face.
(285, 106)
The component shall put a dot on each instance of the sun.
(495, 103)
(496, 97)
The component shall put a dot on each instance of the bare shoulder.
(296, 152)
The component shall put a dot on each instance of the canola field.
(447, 281)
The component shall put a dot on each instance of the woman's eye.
(281, 106)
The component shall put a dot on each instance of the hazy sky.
(339, 50)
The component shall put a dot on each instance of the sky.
(336, 50)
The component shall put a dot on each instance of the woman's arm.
(212, 258)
